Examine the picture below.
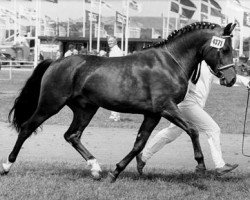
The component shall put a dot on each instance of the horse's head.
(219, 56)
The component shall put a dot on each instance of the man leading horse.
(151, 82)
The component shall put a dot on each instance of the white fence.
(15, 64)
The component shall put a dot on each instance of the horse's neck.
(186, 51)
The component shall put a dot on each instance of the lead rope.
(244, 130)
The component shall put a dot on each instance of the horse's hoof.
(111, 177)
(96, 175)
(200, 170)
(6, 166)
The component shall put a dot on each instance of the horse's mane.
(180, 32)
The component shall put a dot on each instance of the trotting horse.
(151, 82)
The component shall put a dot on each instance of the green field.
(55, 180)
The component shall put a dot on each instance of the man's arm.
(242, 81)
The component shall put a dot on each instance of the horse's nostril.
(234, 80)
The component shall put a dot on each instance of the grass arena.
(49, 168)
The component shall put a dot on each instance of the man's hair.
(71, 46)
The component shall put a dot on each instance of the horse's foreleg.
(73, 135)
(149, 123)
(174, 116)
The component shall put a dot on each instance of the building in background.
(56, 33)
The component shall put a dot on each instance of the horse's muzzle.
(224, 82)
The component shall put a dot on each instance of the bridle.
(221, 68)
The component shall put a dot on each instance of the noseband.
(226, 66)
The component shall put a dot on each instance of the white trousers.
(203, 122)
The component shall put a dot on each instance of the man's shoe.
(225, 169)
(140, 164)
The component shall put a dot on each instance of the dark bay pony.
(151, 82)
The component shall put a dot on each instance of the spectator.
(71, 51)
(58, 54)
(20, 41)
(115, 51)
(83, 50)
(93, 52)
(102, 53)
(41, 56)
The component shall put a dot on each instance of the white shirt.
(199, 92)
(69, 53)
(20, 40)
(115, 51)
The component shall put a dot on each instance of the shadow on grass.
(186, 176)
(201, 182)
(75, 172)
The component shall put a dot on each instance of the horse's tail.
(25, 104)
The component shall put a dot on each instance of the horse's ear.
(229, 28)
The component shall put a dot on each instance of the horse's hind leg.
(149, 123)
(173, 115)
(82, 117)
(43, 112)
